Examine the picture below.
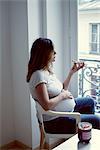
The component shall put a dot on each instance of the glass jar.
(84, 131)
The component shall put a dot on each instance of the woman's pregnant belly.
(65, 105)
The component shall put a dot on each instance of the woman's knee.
(93, 119)
(91, 100)
(91, 103)
(85, 105)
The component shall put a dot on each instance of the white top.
(54, 88)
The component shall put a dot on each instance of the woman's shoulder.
(39, 74)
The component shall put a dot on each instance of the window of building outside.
(95, 38)
(89, 49)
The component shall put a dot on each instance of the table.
(74, 144)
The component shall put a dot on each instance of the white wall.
(6, 96)
(62, 29)
(19, 49)
(73, 27)
(34, 31)
(55, 32)
(15, 116)
(0, 72)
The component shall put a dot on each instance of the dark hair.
(40, 55)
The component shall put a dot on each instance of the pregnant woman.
(50, 93)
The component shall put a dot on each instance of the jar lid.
(85, 125)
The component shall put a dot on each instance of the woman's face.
(52, 59)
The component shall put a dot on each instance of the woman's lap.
(61, 125)
(68, 125)
(65, 124)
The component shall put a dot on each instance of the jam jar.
(84, 131)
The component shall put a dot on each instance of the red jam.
(84, 131)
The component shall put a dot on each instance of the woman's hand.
(77, 66)
(66, 94)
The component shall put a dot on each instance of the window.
(95, 38)
(89, 49)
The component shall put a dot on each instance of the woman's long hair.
(39, 56)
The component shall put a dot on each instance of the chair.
(46, 136)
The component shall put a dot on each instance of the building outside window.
(89, 49)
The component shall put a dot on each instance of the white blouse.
(54, 88)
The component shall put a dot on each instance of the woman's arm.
(43, 97)
(77, 66)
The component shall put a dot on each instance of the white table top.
(73, 143)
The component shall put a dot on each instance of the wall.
(19, 51)
(62, 29)
(6, 96)
(73, 43)
(34, 31)
(15, 115)
(0, 72)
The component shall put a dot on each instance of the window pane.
(94, 28)
(94, 38)
(94, 47)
